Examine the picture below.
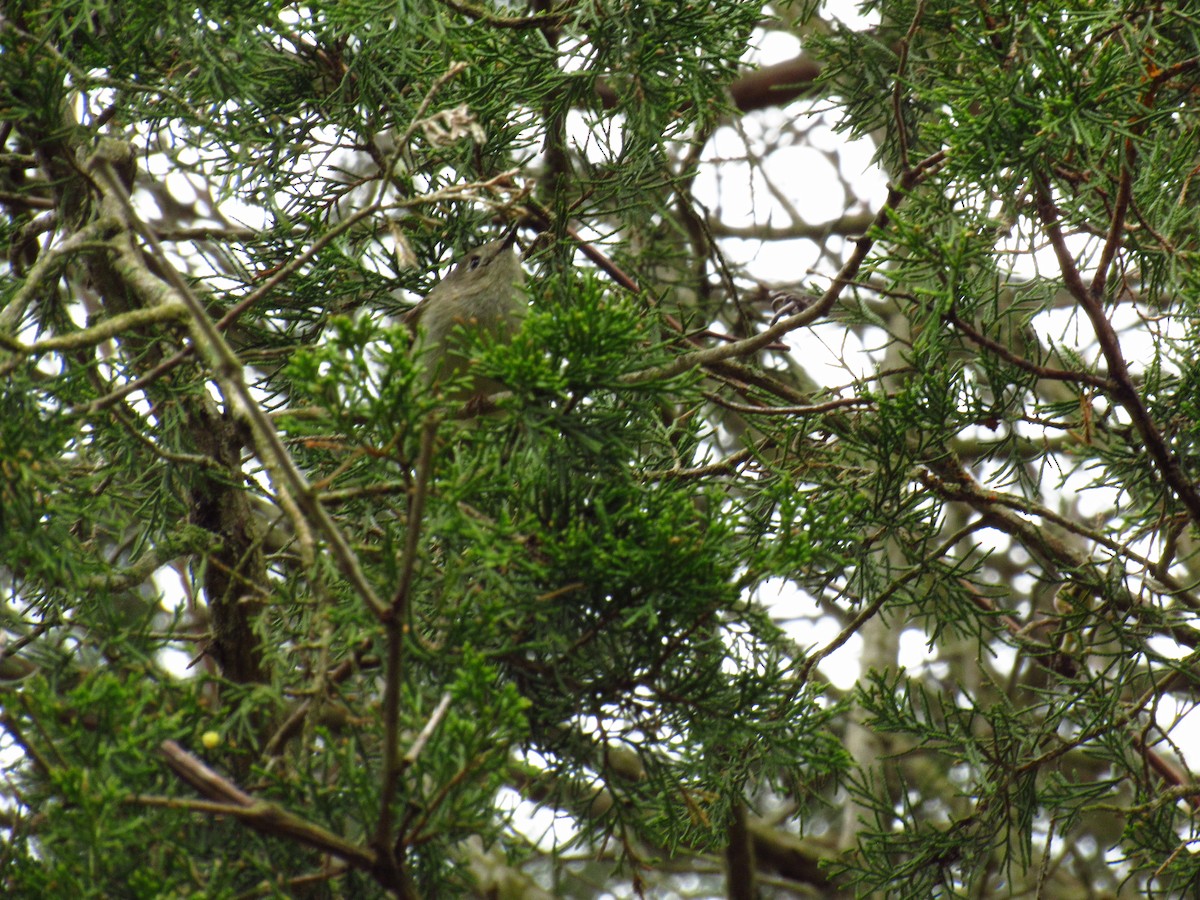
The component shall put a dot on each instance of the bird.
(481, 292)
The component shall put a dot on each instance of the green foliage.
(1038, 119)
(556, 597)
(283, 617)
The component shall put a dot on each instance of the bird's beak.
(510, 237)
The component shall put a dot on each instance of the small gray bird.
(482, 291)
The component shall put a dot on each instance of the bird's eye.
(474, 261)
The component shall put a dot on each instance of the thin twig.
(1122, 388)
(266, 818)
(435, 719)
(396, 623)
